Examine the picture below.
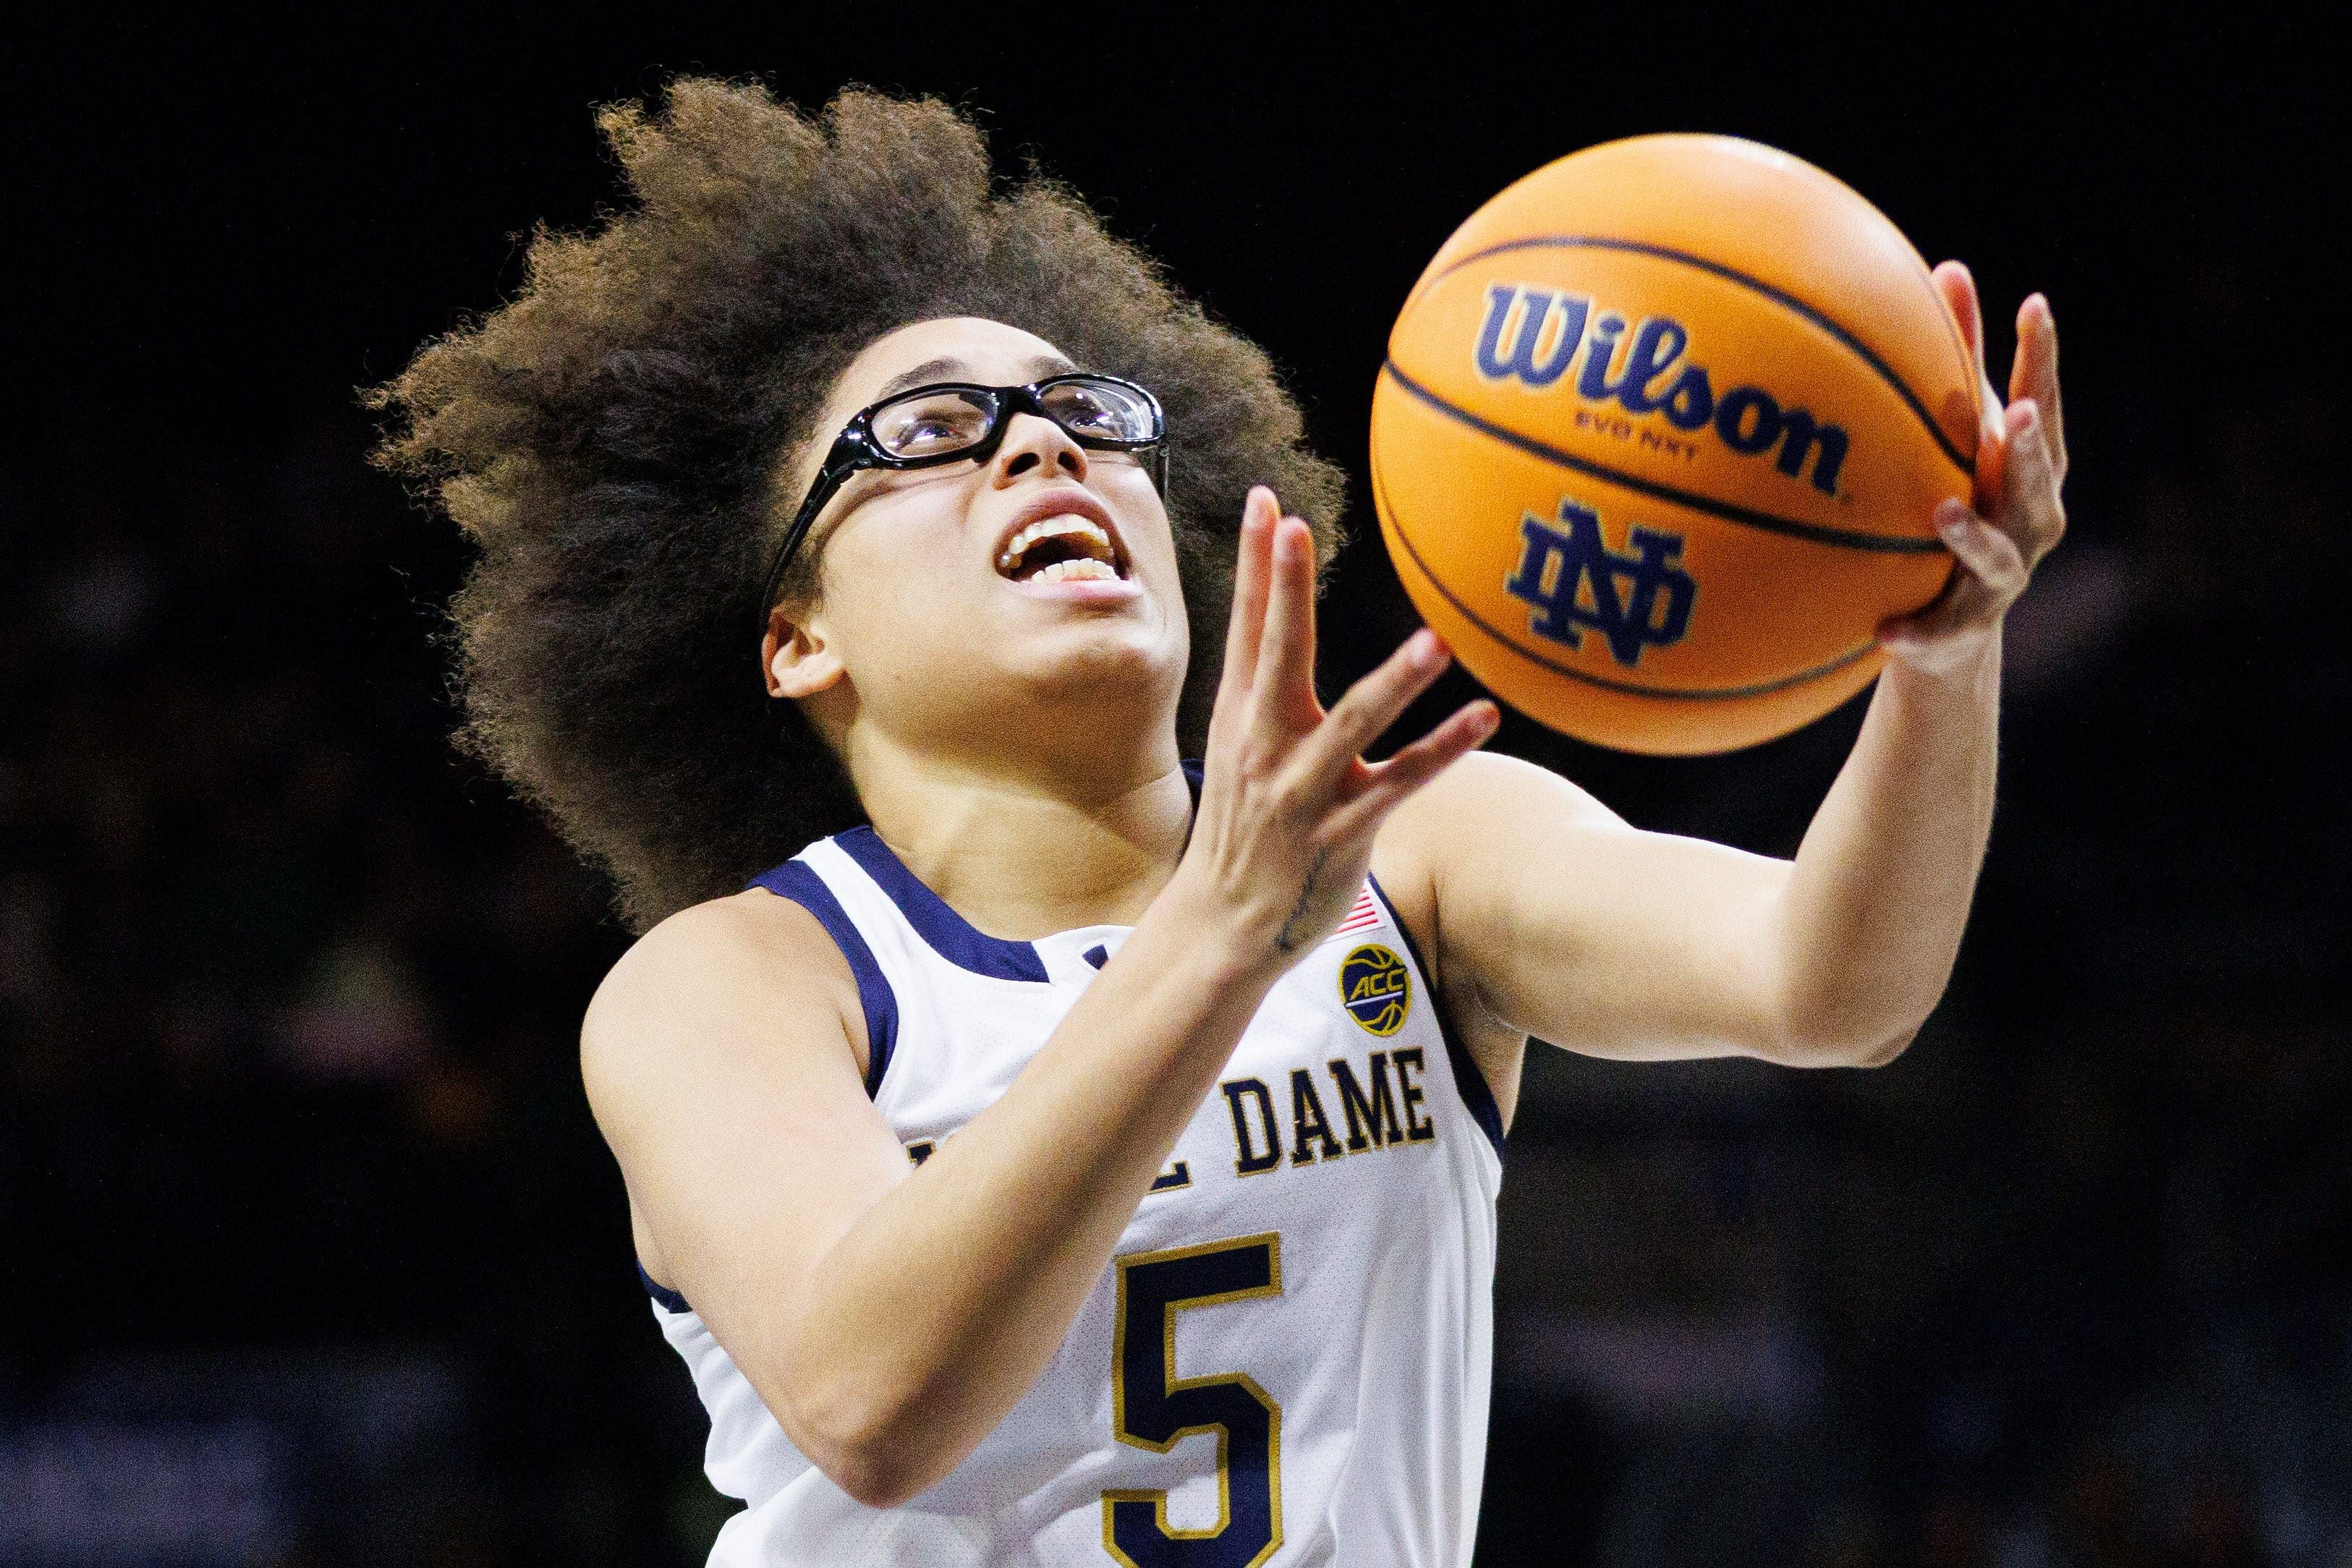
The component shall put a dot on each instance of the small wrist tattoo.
(1295, 928)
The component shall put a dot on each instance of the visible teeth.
(1077, 566)
(1049, 528)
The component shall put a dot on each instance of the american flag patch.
(1362, 916)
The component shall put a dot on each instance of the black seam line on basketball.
(1779, 296)
(1670, 693)
(1813, 533)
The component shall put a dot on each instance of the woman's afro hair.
(613, 437)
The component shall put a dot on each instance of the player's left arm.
(1564, 923)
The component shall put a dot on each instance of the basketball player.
(1073, 1154)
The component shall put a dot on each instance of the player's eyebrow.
(948, 368)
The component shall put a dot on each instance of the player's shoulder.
(1483, 794)
(1460, 821)
(754, 930)
(750, 952)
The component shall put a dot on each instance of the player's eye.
(930, 424)
(1085, 414)
(1100, 409)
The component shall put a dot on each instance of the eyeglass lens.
(930, 424)
(925, 423)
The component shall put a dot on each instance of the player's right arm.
(890, 1317)
(887, 1315)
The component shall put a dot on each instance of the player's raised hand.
(1288, 805)
(2017, 515)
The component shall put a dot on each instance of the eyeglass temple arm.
(839, 464)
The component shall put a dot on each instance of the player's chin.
(1096, 650)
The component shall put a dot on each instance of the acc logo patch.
(1376, 988)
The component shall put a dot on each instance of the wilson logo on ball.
(1533, 335)
(1577, 583)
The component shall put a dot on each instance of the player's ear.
(796, 656)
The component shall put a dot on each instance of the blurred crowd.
(287, 1002)
(311, 1254)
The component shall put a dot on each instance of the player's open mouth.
(1060, 549)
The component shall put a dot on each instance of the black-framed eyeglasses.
(953, 421)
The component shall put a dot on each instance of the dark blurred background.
(310, 1253)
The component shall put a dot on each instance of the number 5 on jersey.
(1151, 1407)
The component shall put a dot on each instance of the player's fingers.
(1958, 287)
(2035, 375)
(1989, 402)
(1367, 709)
(1247, 621)
(1989, 556)
(2031, 513)
(1968, 605)
(1245, 626)
(1284, 687)
(1965, 598)
(1394, 781)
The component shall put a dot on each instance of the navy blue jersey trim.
(668, 1300)
(1469, 1082)
(1780, 297)
(796, 881)
(950, 934)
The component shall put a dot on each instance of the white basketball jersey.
(1286, 1361)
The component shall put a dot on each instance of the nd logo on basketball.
(1576, 582)
(1376, 988)
(1520, 342)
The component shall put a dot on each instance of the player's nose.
(1035, 447)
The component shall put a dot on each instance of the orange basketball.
(1660, 440)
